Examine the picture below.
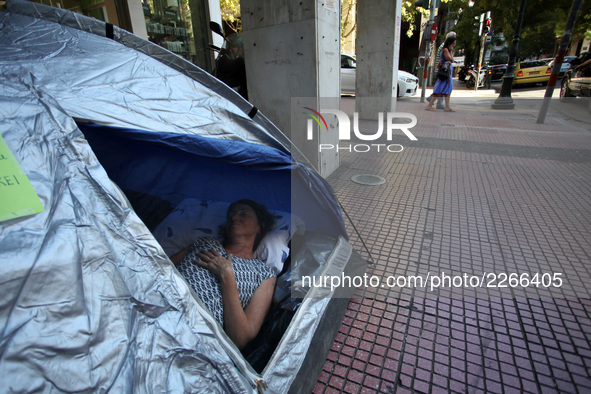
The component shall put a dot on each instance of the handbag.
(443, 72)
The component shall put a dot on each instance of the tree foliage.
(409, 14)
(231, 17)
(349, 24)
(231, 14)
(543, 23)
(348, 21)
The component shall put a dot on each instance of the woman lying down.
(236, 287)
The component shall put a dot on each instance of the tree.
(231, 14)
(231, 17)
(543, 24)
(348, 22)
(409, 14)
(467, 40)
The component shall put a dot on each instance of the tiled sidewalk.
(481, 191)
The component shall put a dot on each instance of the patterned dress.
(249, 273)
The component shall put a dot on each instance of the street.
(576, 110)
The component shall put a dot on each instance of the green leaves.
(543, 24)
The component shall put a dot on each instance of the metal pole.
(480, 51)
(504, 101)
(480, 61)
(568, 32)
(429, 50)
(425, 71)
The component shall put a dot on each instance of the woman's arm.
(241, 325)
(447, 55)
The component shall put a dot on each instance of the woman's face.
(242, 220)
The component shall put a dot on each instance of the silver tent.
(89, 300)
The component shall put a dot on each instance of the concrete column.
(292, 56)
(377, 48)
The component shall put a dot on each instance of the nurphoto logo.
(345, 130)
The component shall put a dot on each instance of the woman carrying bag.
(444, 86)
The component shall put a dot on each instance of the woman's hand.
(212, 261)
(448, 55)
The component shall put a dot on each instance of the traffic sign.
(433, 32)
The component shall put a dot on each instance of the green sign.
(17, 196)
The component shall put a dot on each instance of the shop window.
(166, 25)
(93, 8)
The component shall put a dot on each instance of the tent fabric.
(150, 152)
(78, 65)
(144, 87)
(89, 300)
(165, 175)
(84, 284)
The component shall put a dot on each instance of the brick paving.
(480, 191)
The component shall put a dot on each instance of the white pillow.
(194, 218)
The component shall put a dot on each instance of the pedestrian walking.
(440, 99)
(444, 87)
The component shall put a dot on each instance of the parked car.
(348, 72)
(577, 80)
(407, 83)
(547, 60)
(533, 71)
(565, 66)
(497, 71)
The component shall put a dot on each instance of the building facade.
(181, 26)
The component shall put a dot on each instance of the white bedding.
(195, 218)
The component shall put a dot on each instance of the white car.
(407, 83)
(565, 66)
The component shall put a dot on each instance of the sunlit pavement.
(481, 192)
